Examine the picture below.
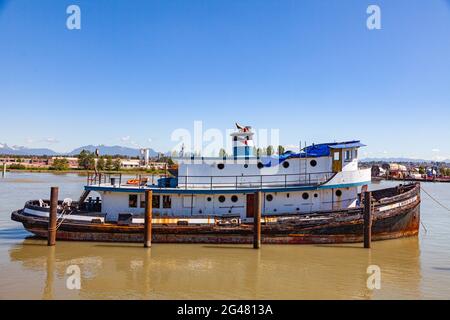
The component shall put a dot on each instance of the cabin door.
(337, 160)
(250, 205)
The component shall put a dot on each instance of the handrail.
(105, 178)
(214, 182)
(243, 181)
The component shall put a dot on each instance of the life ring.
(133, 181)
(136, 181)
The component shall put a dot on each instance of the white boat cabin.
(320, 177)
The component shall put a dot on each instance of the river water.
(411, 268)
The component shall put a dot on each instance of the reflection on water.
(411, 268)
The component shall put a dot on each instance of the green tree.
(109, 166)
(280, 149)
(101, 163)
(421, 170)
(170, 162)
(222, 153)
(117, 165)
(269, 150)
(60, 164)
(259, 152)
(86, 160)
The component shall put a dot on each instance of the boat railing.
(253, 181)
(211, 182)
(122, 180)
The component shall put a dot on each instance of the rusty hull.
(335, 227)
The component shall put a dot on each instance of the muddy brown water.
(411, 268)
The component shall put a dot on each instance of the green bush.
(17, 166)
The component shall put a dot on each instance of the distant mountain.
(103, 150)
(23, 151)
(111, 151)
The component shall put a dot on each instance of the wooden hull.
(394, 217)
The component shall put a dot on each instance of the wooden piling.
(4, 170)
(257, 221)
(148, 219)
(367, 219)
(51, 239)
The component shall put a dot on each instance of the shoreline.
(411, 179)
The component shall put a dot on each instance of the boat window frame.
(348, 155)
(135, 202)
(167, 202)
(142, 200)
(156, 201)
(336, 156)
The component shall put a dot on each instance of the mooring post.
(257, 221)
(51, 239)
(148, 219)
(367, 219)
(4, 170)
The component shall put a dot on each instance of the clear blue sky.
(137, 70)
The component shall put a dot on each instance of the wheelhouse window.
(167, 202)
(132, 200)
(348, 155)
(355, 153)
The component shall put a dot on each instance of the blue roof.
(348, 144)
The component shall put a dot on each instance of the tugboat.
(307, 197)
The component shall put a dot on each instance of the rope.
(435, 200)
(62, 217)
(423, 225)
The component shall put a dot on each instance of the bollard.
(51, 239)
(257, 221)
(148, 219)
(367, 219)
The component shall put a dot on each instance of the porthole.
(287, 195)
(246, 166)
(313, 163)
(338, 193)
(209, 199)
(221, 198)
(315, 195)
(305, 195)
(234, 198)
(274, 210)
(269, 197)
(285, 164)
(220, 166)
(260, 165)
